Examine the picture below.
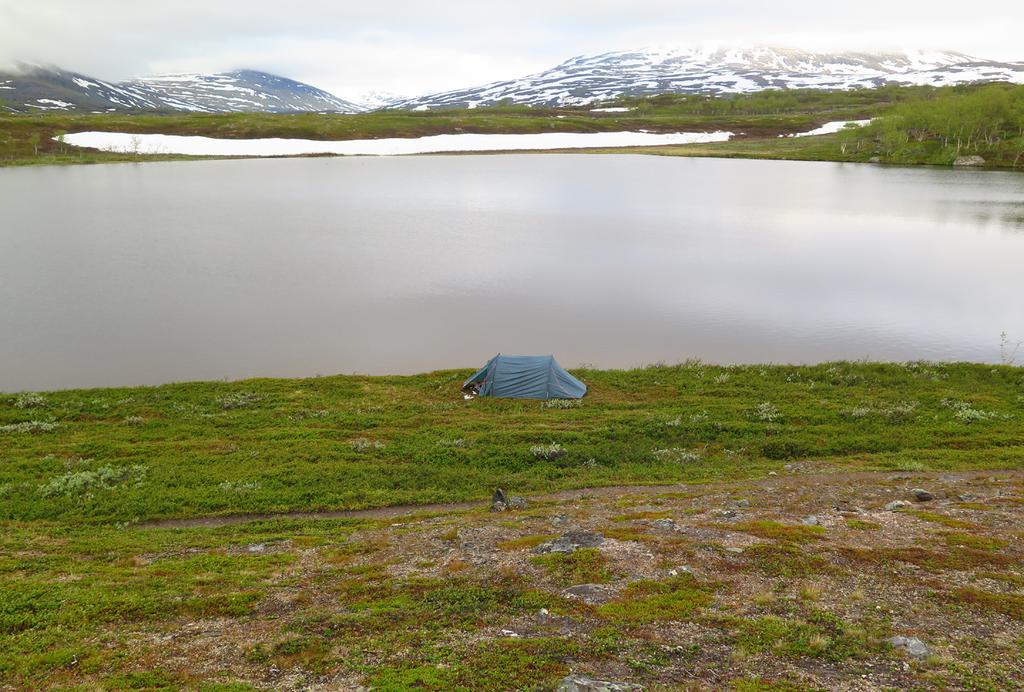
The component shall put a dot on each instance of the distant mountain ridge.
(673, 69)
(36, 88)
(580, 81)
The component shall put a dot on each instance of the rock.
(969, 161)
(590, 593)
(810, 521)
(500, 502)
(912, 645)
(897, 505)
(516, 502)
(922, 495)
(570, 542)
(581, 683)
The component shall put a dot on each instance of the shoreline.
(466, 371)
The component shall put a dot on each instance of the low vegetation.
(914, 125)
(122, 567)
(351, 442)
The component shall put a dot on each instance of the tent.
(524, 377)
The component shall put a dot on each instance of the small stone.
(912, 645)
(897, 505)
(811, 521)
(922, 495)
(581, 683)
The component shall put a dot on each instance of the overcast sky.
(412, 46)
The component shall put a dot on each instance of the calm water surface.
(133, 274)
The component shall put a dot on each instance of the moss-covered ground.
(120, 566)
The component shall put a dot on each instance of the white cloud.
(411, 47)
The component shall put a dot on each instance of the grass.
(584, 566)
(227, 448)
(951, 522)
(1011, 605)
(652, 601)
(757, 120)
(784, 560)
(90, 593)
(819, 635)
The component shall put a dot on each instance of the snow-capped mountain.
(594, 78)
(35, 88)
(240, 91)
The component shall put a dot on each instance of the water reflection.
(124, 274)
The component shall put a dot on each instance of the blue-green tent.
(525, 377)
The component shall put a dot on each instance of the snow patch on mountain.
(709, 69)
(240, 91)
(34, 87)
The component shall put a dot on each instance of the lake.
(147, 273)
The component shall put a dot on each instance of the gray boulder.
(912, 645)
(922, 495)
(969, 161)
(501, 502)
(581, 683)
(516, 502)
